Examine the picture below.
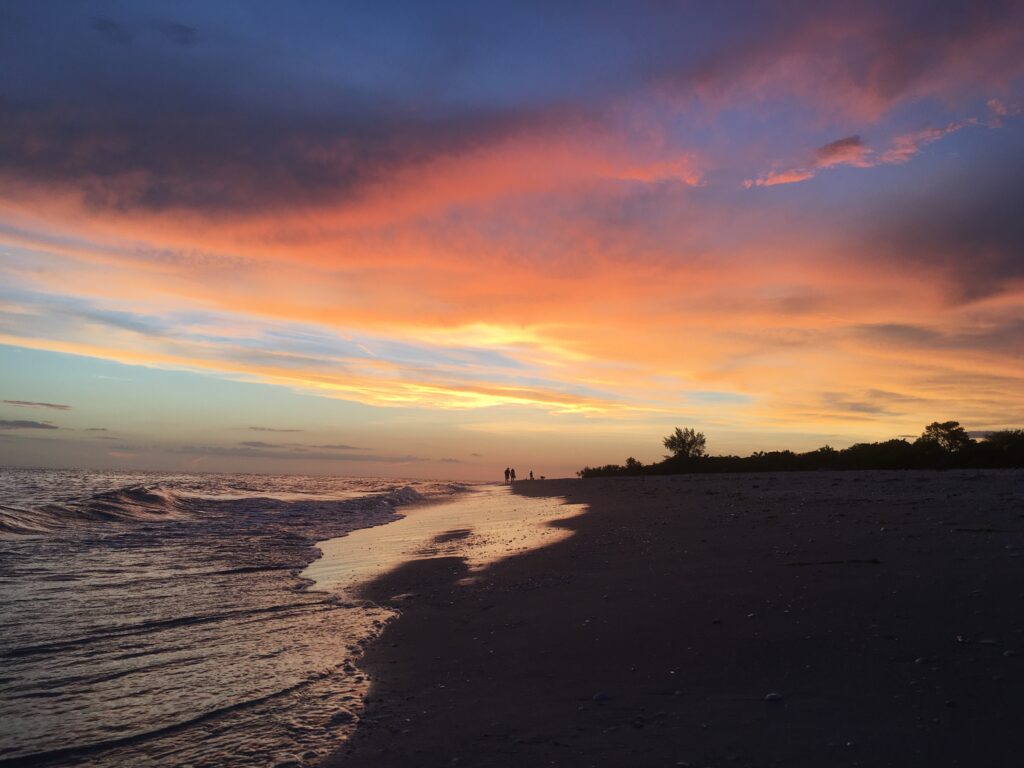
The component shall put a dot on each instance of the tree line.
(942, 445)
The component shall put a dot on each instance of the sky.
(414, 239)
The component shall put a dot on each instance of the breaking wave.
(132, 504)
(160, 620)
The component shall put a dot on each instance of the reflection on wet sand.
(483, 527)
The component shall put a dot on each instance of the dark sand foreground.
(810, 619)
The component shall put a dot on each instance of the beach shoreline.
(482, 525)
(849, 618)
(199, 575)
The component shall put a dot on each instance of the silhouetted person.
(508, 472)
(531, 474)
(513, 474)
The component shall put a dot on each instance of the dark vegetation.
(943, 445)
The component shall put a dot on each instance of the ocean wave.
(135, 504)
(148, 603)
(132, 504)
(80, 751)
(403, 497)
(146, 627)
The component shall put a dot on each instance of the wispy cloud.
(23, 424)
(34, 404)
(299, 446)
(772, 178)
(904, 147)
(243, 451)
(852, 152)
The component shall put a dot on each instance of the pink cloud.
(780, 177)
(904, 147)
(847, 151)
(852, 152)
(859, 62)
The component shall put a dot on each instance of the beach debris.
(773, 696)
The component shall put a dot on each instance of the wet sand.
(809, 619)
(487, 524)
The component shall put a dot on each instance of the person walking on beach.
(531, 474)
(507, 473)
(512, 474)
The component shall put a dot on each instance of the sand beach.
(808, 619)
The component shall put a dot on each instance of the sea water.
(158, 619)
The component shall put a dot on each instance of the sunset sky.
(435, 239)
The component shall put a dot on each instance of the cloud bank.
(605, 216)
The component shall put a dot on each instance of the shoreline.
(223, 628)
(800, 619)
(481, 526)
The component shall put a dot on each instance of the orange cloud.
(595, 261)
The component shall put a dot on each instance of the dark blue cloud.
(34, 404)
(182, 34)
(229, 107)
(110, 30)
(964, 221)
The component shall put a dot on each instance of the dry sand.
(808, 619)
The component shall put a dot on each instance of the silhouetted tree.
(686, 443)
(1004, 448)
(943, 445)
(949, 436)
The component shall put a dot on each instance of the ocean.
(160, 620)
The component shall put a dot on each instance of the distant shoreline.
(945, 445)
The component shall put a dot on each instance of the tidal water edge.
(155, 619)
